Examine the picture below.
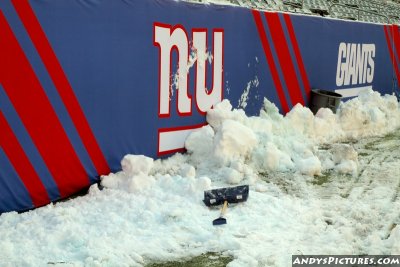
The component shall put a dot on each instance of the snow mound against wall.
(235, 148)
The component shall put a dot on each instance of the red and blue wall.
(84, 82)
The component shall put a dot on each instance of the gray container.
(324, 99)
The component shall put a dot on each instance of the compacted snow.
(323, 184)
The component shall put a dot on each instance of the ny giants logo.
(190, 52)
(175, 38)
(355, 64)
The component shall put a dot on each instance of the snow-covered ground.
(324, 184)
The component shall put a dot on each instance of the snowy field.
(324, 184)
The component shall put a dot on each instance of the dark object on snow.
(225, 195)
(217, 197)
(324, 99)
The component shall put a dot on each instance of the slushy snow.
(153, 211)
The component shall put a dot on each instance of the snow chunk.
(233, 141)
(309, 166)
(134, 176)
(136, 164)
(199, 144)
(301, 119)
(231, 176)
(346, 159)
(341, 152)
(223, 111)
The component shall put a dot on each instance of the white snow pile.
(153, 210)
(238, 147)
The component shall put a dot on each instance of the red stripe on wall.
(292, 35)
(270, 60)
(285, 60)
(33, 107)
(62, 84)
(22, 165)
(396, 39)
(393, 58)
